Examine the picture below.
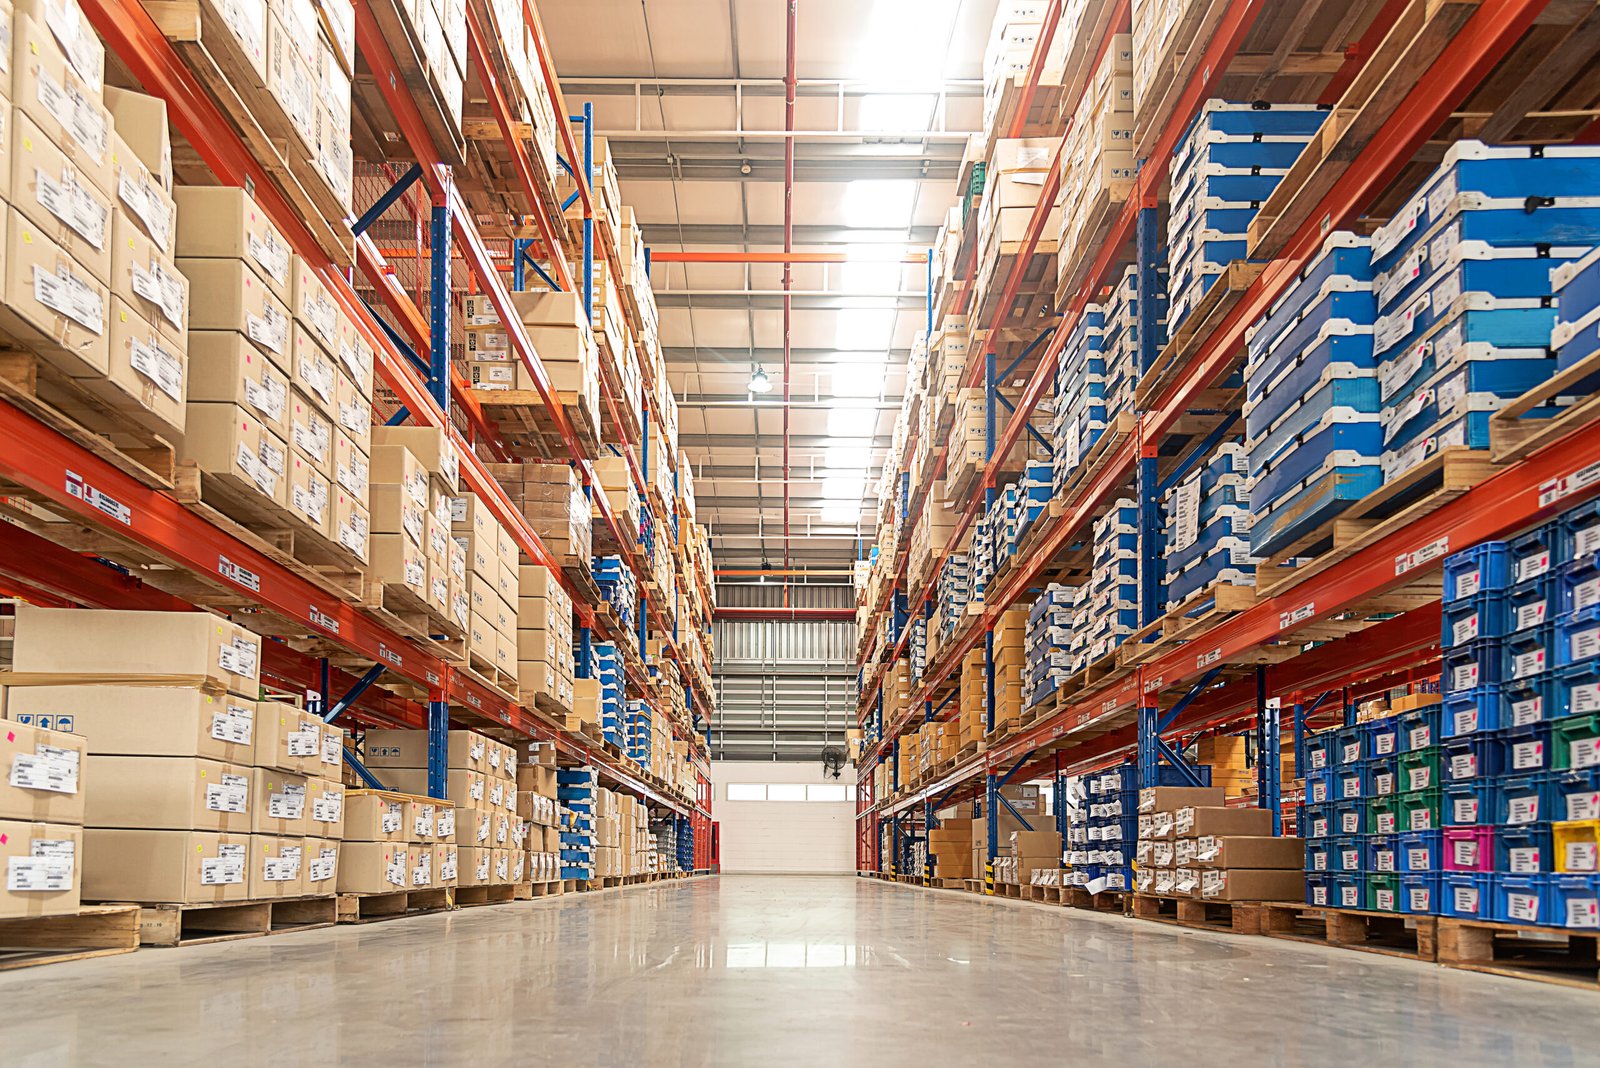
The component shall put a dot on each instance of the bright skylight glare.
(905, 43)
(845, 514)
(864, 329)
(844, 487)
(880, 203)
(848, 456)
(896, 112)
(862, 379)
(871, 269)
(852, 419)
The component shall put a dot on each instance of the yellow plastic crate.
(1577, 845)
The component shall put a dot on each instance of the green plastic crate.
(1419, 770)
(1420, 810)
(1575, 736)
(1383, 893)
(1383, 815)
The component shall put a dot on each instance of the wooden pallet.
(1397, 503)
(92, 417)
(1237, 917)
(193, 925)
(92, 931)
(1371, 932)
(1029, 311)
(1173, 360)
(489, 894)
(198, 31)
(1547, 954)
(528, 429)
(1106, 901)
(372, 908)
(579, 886)
(1511, 436)
(1098, 216)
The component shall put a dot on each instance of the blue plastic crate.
(1530, 604)
(1348, 817)
(1470, 666)
(1575, 901)
(1575, 794)
(1483, 615)
(1382, 777)
(1316, 821)
(1525, 850)
(1468, 803)
(1319, 786)
(1319, 751)
(1380, 737)
(1347, 783)
(1317, 891)
(1346, 854)
(1419, 728)
(1380, 854)
(1470, 756)
(1347, 890)
(1418, 851)
(1521, 800)
(1481, 569)
(1525, 750)
(1580, 531)
(1529, 700)
(1419, 893)
(1520, 898)
(1577, 637)
(1527, 653)
(1465, 895)
(1319, 855)
(1536, 553)
(1470, 712)
(1347, 752)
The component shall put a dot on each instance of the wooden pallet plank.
(93, 931)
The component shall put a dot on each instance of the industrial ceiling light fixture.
(759, 382)
(744, 167)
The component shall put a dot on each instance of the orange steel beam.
(782, 257)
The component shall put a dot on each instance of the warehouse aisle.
(775, 970)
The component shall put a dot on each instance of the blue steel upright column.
(993, 837)
(1148, 491)
(439, 386)
(1269, 751)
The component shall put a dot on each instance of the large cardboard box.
(226, 440)
(75, 641)
(51, 302)
(1252, 884)
(1193, 822)
(287, 738)
(79, 124)
(277, 867)
(228, 295)
(41, 774)
(474, 865)
(223, 222)
(1172, 798)
(178, 867)
(436, 453)
(325, 808)
(141, 126)
(148, 370)
(1026, 843)
(321, 864)
(446, 866)
(474, 826)
(1250, 852)
(282, 802)
(169, 793)
(374, 867)
(371, 816)
(47, 190)
(43, 869)
(182, 721)
(463, 787)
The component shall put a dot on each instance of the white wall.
(783, 836)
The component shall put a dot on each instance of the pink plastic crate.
(1468, 849)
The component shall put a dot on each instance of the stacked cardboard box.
(1025, 852)
(950, 844)
(83, 209)
(1097, 164)
(41, 821)
(203, 793)
(552, 501)
(545, 664)
(481, 789)
(1025, 803)
(426, 473)
(1014, 180)
(539, 809)
(396, 841)
(1199, 849)
(491, 582)
(603, 185)
(1156, 853)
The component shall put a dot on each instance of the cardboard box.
(229, 295)
(72, 641)
(394, 559)
(226, 440)
(349, 522)
(53, 303)
(312, 306)
(321, 864)
(277, 867)
(224, 223)
(81, 127)
(310, 494)
(325, 808)
(168, 793)
(424, 819)
(43, 863)
(464, 787)
(1192, 822)
(176, 867)
(46, 189)
(311, 432)
(446, 866)
(1034, 843)
(371, 816)
(430, 447)
(474, 826)
(148, 370)
(374, 867)
(287, 738)
(1251, 884)
(1172, 798)
(140, 121)
(282, 803)
(474, 866)
(421, 856)
(182, 721)
(1250, 852)
(314, 374)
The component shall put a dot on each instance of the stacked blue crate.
(575, 789)
(1576, 335)
(1464, 290)
(617, 587)
(1311, 410)
(980, 559)
(608, 671)
(953, 593)
(1112, 611)
(1034, 491)
(685, 844)
(1052, 624)
(1228, 162)
(1078, 409)
(666, 835)
(1121, 337)
(1207, 526)
(638, 731)
(1110, 815)
(917, 648)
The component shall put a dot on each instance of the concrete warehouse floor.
(764, 970)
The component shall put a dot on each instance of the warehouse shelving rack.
(1179, 690)
(116, 511)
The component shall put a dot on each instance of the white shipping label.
(1421, 737)
(1319, 826)
(446, 823)
(1465, 721)
(1418, 778)
(1385, 900)
(232, 794)
(447, 868)
(1349, 823)
(1465, 852)
(1522, 810)
(422, 873)
(239, 657)
(1383, 783)
(289, 804)
(1582, 857)
(47, 867)
(332, 748)
(395, 873)
(270, 330)
(1320, 862)
(303, 742)
(1527, 664)
(1419, 859)
(1466, 900)
(1585, 644)
(475, 746)
(84, 121)
(328, 807)
(1527, 756)
(1384, 743)
(1319, 759)
(1585, 752)
(51, 767)
(1464, 630)
(422, 823)
(234, 723)
(390, 820)
(1383, 860)
(476, 790)
(1464, 765)
(497, 795)
(502, 868)
(146, 203)
(1465, 809)
(481, 872)
(1386, 822)
(271, 255)
(1586, 541)
(279, 869)
(1530, 615)
(1533, 566)
(74, 204)
(323, 867)
(1352, 752)
(1528, 711)
(1524, 907)
(158, 365)
(1402, 274)
(1585, 594)
(1422, 819)
(1469, 583)
(1349, 897)
(66, 294)
(1418, 896)
(1464, 676)
(1583, 912)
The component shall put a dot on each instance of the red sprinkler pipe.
(788, 249)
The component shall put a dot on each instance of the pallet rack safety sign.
(237, 574)
(1299, 615)
(1430, 552)
(1565, 486)
(79, 488)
